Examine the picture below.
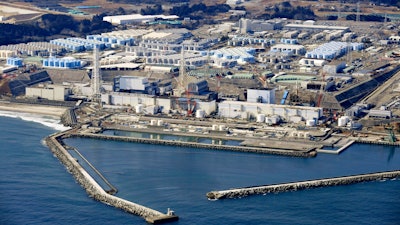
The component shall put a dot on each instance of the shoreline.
(56, 111)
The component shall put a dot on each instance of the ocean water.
(35, 188)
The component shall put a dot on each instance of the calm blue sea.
(35, 188)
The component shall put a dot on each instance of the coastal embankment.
(55, 143)
(56, 111)
(295, 186)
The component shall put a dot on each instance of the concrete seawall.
(294, 153)
(294, 186)
(377, 142)
(95, 190)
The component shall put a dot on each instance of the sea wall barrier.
(295, 186)
(54, 142)
(295, 153)
(377, 142)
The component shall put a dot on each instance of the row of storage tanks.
(14, 61)
(332, 49)
(69, 63)
(275, 119)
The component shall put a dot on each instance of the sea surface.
(35, 188)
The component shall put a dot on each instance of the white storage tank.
(153, 122)
(222, 127)
(214, 127)
(139, 108)
(260, 118)
(275, 119)
(310, 123)
(200, 113)
(160, 123)
(342, 121)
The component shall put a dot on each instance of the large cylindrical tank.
(153, 122)
(274, 119)
(200, 113)
(310, 123)
(342, 121)
(222, 127)
(139, 108)
(160, 122)
(260, 118)
(214, 127)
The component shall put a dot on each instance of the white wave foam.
(48, 121)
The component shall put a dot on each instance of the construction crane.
(260, 77)
(183, 86)
(391, 137)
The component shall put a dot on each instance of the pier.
(55, 143)
(295, 153)
(340, 150)
(295, 186)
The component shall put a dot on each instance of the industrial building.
(48, 91)
(249, 110)
(150, 104)
(261, 95)
(247, 25)
(380, 113)
(136, 19)
(135, 84)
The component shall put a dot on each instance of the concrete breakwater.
(294, 186)
(295, 153)
(378, 142)
(54, 142)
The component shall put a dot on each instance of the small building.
(381, 114)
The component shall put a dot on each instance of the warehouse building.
(136, 19)
(247, 25)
